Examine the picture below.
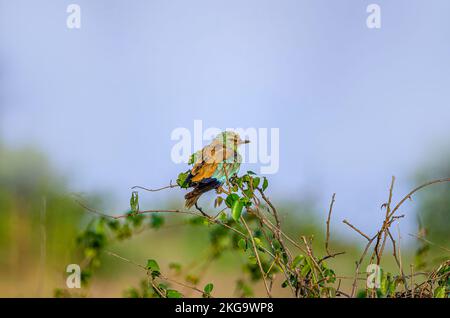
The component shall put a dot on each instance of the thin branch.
(429, 242)
(391, 189)
(275, 229)
(327, 238)
(356, 229)
(332, 255)
(257, 257)
(274, 210)
(328, 224)
(394, 253)
(159, 211)
(182, 284)
(161, 276)
(158, 189)
(311, 255)
(408, 196)
(358, 265)
(84, 206)
(126, 260)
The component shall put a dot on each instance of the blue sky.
(354, 105)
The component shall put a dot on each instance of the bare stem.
(257, 257)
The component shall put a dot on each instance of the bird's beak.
(245, 141)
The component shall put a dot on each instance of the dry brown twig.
(328, 223)
(382, 234)
(171, 185)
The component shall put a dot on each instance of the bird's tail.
(202, 187)
(192, 197)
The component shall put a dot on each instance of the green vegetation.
(248, 245)
(249, 226)
(38, 223)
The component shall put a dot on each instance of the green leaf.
(229, 201)
(156, 221)
(276, 245)
(134, 202)
(256, 182)
(392, 287)
(248, 193)
(444, 270)
(361, 294)
(192, 279)
(208, 288)
(251, 172)
(384, 284)
(153, 267)
(113, 224)
(252, 260)
(124, 232)
(171, 293)
(257, 241)
(134, 218)
(223, 217)
(243, 244)
(175, 266)
(246, 202)
(439, 292)
(236, 210)
(311, 266)
(191, 159)
(298, 260)
(265, 184)
(330, 275)
(245, 289)
(181, 181)
(259, 244)
(305, 270)
(196, 220)
(218, 202)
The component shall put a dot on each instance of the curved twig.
(158, 189)
(408, 196)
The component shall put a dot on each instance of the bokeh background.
(90, 111)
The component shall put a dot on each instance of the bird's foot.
(201, 211)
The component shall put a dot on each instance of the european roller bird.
(213, 165)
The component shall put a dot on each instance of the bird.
(212, 165)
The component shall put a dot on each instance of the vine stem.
(257, 257)
(162, 276)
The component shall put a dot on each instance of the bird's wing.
(207, 163)
(228, 168)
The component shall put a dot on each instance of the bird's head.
(231, 139)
